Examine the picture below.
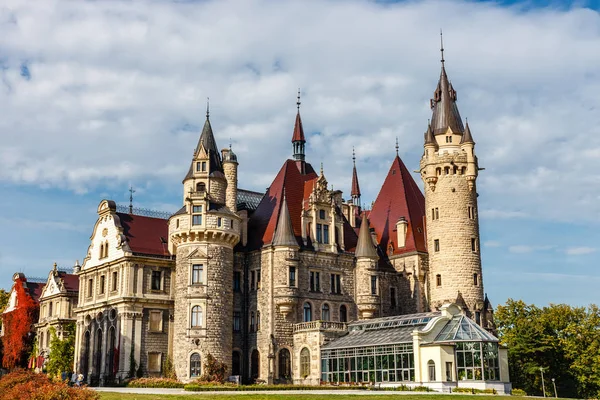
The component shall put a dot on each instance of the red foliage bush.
(23, 384)
(17, 325)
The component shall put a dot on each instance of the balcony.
(320, 326)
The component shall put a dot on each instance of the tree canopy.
(562, 340)
(62, 351)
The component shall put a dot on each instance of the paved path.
(323, 392)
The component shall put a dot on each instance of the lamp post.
(543, 387)
(554, 384)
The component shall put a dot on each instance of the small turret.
(368, 300)
(355, 192)
(298, 140)
(230, 169)
(284, 233)
(365, 247)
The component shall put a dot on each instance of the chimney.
(401, 228)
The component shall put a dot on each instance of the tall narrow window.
(292, 276)
(438, 280)
(195, 365)
(237, 321)
(252, 277)
(197, 273)
(252, 321)
(343, 313)
(336, 284)
(115, 277)
(258, 321)
(393, 297)
(307, 312)
(473, 245)
(237, 281)
(315, 281)
(197, 215)
(304, 362)
(322, 214)
(203, 166)
(198, 167)
(156, 280)
(431, 368)
(448, 371)
(436, 245)
(196, 317)
(50, 313)
(325, 312)
(257, 279)
(102, 284)
(326, 234)
(219, 221)
(373, 284)
(475, 280)
(471, 211)
(90, 288)
(319, 233)
(437, 213)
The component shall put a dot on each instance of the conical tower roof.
(298, 135)
(429, 138)
(284, 233)
(355, 191)
(467, 137)
(365, 247)
(207, 139)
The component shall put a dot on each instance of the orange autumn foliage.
(17, 325)
(27, 385)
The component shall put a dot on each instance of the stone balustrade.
(320, 326)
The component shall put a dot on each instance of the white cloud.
(492, 243)
(116, 85)
(577, 251)
(522, 249)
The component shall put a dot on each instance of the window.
(258, 321)
(198, 167)
(446, 170)
(319, 233)
(448, 139)
(257, 279)
(304, 362)
(203, 166)
(336, 284)
(252, 321)
(196, 317)
(431, 368)
(326, 234)
(101, 255)
(478, 317)
(106, 249)
(474, 245)
(471, 212)
(343, 313)
(315, 281)
(177, 223)
(195, 365)
(197, 273)
(197, 215)
(252, 276)
(435, 213)
(436, 245)
(231, 224)
(475, 280)
(200, 187)
(322, 214)
(237, 321)
(393, 297)
(237, 281)
(115, 281)
(236, 363)
(102, 284)
(90, 288)
(285, 364)
(325, 312)
(307, 312)
(219, 221)
(50, 313)
(156, 321)
(292, 276)
(156, 280)
(448, 371)
(477, 361)
(438, 280)
(373, 284)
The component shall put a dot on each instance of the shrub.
(422, 389)
(155, 383)
(518, 392)
(23, 384)
(169, 369)
(214, 370)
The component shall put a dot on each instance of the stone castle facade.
(261, 281)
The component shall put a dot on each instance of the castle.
(281, 286)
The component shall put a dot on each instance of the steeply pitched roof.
(298, 131)
(399, 197)
(445, 111)
(34, 289)
(207, 139)
(284, 234)
(365, 247)
(467, 137)
(145, 235)
(355, 186)
(71, 281)
(429, 138)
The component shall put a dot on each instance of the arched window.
(200, 187)
(252, 321)
(236, 364)
(86, 353)
(106, 249)
(431, 368)
(464, 170)
(195, 365)
(285, 364)
(196, 317)
(255, 364)
(101, 250)
(438, 171)
(307, 312)
(343, 313)
(325, 312)
(113, 354)
(99, 351)
(304, 362)
(446, 170)
(258, 320)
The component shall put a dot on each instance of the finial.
(321, 167)
(55, 266)
(230, 144)
(353, 156)
(442, 46)
(207, 107)
(298, 102)
(397, 147)
(131, 192)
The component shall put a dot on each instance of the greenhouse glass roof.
(461, 328)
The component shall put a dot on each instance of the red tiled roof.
(145, 235)
(399, 197)
(70, 281)
(355, 186)
(298, 131)
(35, 290)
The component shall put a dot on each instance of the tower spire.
(131, 192)
(442, 47)
(298, 102)
(298, 139)
(397, 147)
(355, 192)
(284, 232)
(207, 107)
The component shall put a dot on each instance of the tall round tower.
(449, 170)
(202, 236)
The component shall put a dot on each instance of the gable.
(106, 234)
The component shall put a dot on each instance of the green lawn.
(279, 396)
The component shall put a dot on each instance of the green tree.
(62, 351)
(3, 299)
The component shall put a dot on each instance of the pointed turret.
(355, 192)
(429, 138)
(298, 139)
(467, 137)
(365, 247)
(445, 112)
(207, 140)
(284, 233)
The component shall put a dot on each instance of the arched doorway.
(85, 360)
(236, 365)
(254, 365)
(98, 353)
(285, 365)
(113, 357)
(343, 313)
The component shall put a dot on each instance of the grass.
(280, 396)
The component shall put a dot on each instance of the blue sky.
(96, 96)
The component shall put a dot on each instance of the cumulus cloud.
(96, 94)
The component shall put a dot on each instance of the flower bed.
(161, 383)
